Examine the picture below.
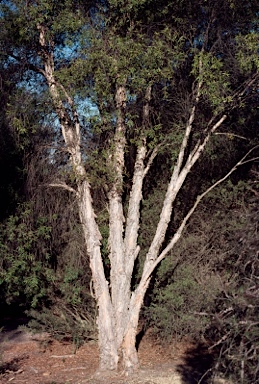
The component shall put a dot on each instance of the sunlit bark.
(119, 306)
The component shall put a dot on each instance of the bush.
(181, 307)
(51, 282)
(235, 331)
(209, 287)
(24, 277)
(64, 322)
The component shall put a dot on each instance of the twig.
(73, 369)
(201, 313)
(220, 341)
(205, 374)
(62, 356)
(62, 185)
(230, 135)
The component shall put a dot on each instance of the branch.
(250, 160)
(230, 135)
(175, 184)
(178, 233)
(199, 147)
(30, 66)
(151, 159)
(62, 185)
(246, 85)
(139, 173)
(220, 341)
(189, 125)
(73, 108)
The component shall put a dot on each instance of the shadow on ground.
(11, 318)
(11, 366)
(197, 365)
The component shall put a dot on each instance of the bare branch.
(140, 171)
(178, 233)
(250, 160)
(26, 64)
(230, 135)
(60, 184)
(220, 341)
(189, 125)
(200, 146)
(175, 184)
(246, 85)
(151, 159)
(74, 111)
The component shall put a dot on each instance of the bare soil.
(36, 359)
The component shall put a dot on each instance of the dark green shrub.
(183, 306)
(24, 277)
(53, 288)
(234, 334)
(64, 322)
(209, 288)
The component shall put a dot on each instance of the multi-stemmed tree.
(157, 78)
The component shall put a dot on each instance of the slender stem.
(178, 233)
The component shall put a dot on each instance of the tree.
(137, 74)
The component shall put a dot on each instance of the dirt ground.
(36, 359)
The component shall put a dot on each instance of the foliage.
(21, 275)
(64, 322)
(177, 308)
(208, 289)
(31, 277)
(235, 330)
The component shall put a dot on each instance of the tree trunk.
(118, 307)
(105, 320)
(71, 133)
(129, 351)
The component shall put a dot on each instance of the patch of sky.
(66, 52)
(5, 4)
(32, 82)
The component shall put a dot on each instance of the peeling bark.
(130, 355)
(118, 278)
(118, 306)
(71, 134)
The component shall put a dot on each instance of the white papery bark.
(119, 306)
